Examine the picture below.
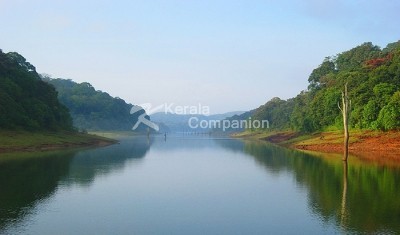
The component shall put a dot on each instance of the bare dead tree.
(346, 106)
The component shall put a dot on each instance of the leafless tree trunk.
(346, 105)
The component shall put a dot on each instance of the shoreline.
(366, 144)
(22, 141)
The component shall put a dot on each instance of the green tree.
(389, 116)
(92, 109)
(356, 57)
(327, 67)
(373, 77)
(26, 102)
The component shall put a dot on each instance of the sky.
(228, 55)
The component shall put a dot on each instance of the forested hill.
(92, 109)
(26, 102)
(373, 78)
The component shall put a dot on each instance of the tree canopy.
(373, 78)
(26, 102)
(92, 109)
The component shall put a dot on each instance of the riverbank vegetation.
(94, 110)
(373, 78)
(312, 119)
(26, 102)
(31, 116)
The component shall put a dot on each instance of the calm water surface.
(195, 186)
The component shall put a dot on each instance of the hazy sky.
(230, 55)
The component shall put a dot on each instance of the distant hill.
(92, 109)
(180, 122)
(26, 102)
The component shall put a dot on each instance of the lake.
(195, 185)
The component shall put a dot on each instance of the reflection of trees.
(30, 178)
(86, 165)
(359, 197)
(234, 145)
(27, 179)
(182, 143)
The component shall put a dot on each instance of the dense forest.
(92, 109)
(29, 101)
(373, 78)
(26, 102)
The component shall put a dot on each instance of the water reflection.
(86, 165)
(358, 197)
(28, 179)
(176, 142)
(180, 173)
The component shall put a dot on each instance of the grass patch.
(11, 141)
(317, 138)
(114, 134)
(262, 134)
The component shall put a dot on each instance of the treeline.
(26, 102)
(92, 109)
(373, 78)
